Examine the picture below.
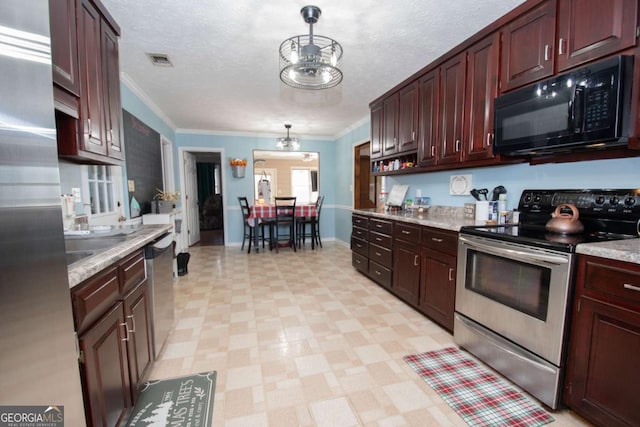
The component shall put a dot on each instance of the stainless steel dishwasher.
(159, 262)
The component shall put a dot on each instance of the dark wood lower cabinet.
(105, 370)
(406, 271)
(137, 310)
(603, 376)
(438, 286)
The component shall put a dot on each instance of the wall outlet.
(77, 197)
(418, 192)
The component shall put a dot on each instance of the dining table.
(258, 212)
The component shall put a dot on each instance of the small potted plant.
(238, 167)
(165, 200)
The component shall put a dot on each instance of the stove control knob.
(527, 198)
(599, 200)
(614, 200)
(537, 198)
(630, 201)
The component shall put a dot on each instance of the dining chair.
(248, 229)
(314, 227)
(285, 220)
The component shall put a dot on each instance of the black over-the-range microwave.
(587, 108)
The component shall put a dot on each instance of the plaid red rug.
(476, 394)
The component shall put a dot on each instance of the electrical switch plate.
(77, 198)
(459, 185)
(132, 185)
(418, 192)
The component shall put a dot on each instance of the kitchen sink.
(75, 256)
(92, 244)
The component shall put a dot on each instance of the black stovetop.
(606, 215)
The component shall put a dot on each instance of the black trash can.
(183, 261)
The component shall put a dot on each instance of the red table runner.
(269, 211)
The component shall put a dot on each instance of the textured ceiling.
(225, 75)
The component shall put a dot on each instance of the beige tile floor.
(302, 339)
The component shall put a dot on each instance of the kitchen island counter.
(87, 267)
(620, 250)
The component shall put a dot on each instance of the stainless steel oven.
(514, 284)
(511, 304)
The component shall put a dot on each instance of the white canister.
(482, 210)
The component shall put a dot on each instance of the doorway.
(364, 194)
(202, 178)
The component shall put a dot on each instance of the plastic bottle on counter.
(502, 202)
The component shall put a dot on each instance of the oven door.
(517, 291)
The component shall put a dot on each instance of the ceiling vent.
(160, 59)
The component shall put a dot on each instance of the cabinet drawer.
(380, 274)
(359, 246)
(613, 279)
(360, 221)
(380, 226)
(382, 256)
(131, 270)
(94, 297)
(360, 233)
(406, 232)
(361, 263)
(443, 241)
(383, 240)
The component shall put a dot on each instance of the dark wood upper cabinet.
(408, 118)
(452, 83)
(64, 46)
(527, 47)
(376, 130)
(483, 66)
(428, 114)
(112, 105)
(588, 30)
(390, 109)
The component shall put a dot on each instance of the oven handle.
(523, 256)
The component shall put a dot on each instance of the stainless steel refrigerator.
(38, 358)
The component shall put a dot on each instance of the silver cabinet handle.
(89, 126)
(489, 138)
(451, 274)
(358, 261)
(631, 287)
(415, 261)
(378, 254)
(457, 145)
(547, 49)
(378, 273)
(133, 322)
(406, 232)
(433, 151)
(413, 135)
(560, 45)
(437, 240)
(378, 239)
(126, 331)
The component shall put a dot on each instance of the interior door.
(191, 194)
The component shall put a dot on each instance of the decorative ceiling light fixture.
(310, 61)
(289, 144)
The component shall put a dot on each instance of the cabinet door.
(602, 369)
(428, 115)
(408, 118)
(438, 287)
(64, 47)
(112, 105)
(376, 130)
(481, 89)
(406, 271)
(390, 128)
(137, 311)
(527, 50)
(105, 369)
(91, 87)
(590, 29)
(451, 109)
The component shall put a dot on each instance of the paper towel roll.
(482, 210)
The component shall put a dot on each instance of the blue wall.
(336, 172)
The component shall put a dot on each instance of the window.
(302, 185)
(101, 187)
